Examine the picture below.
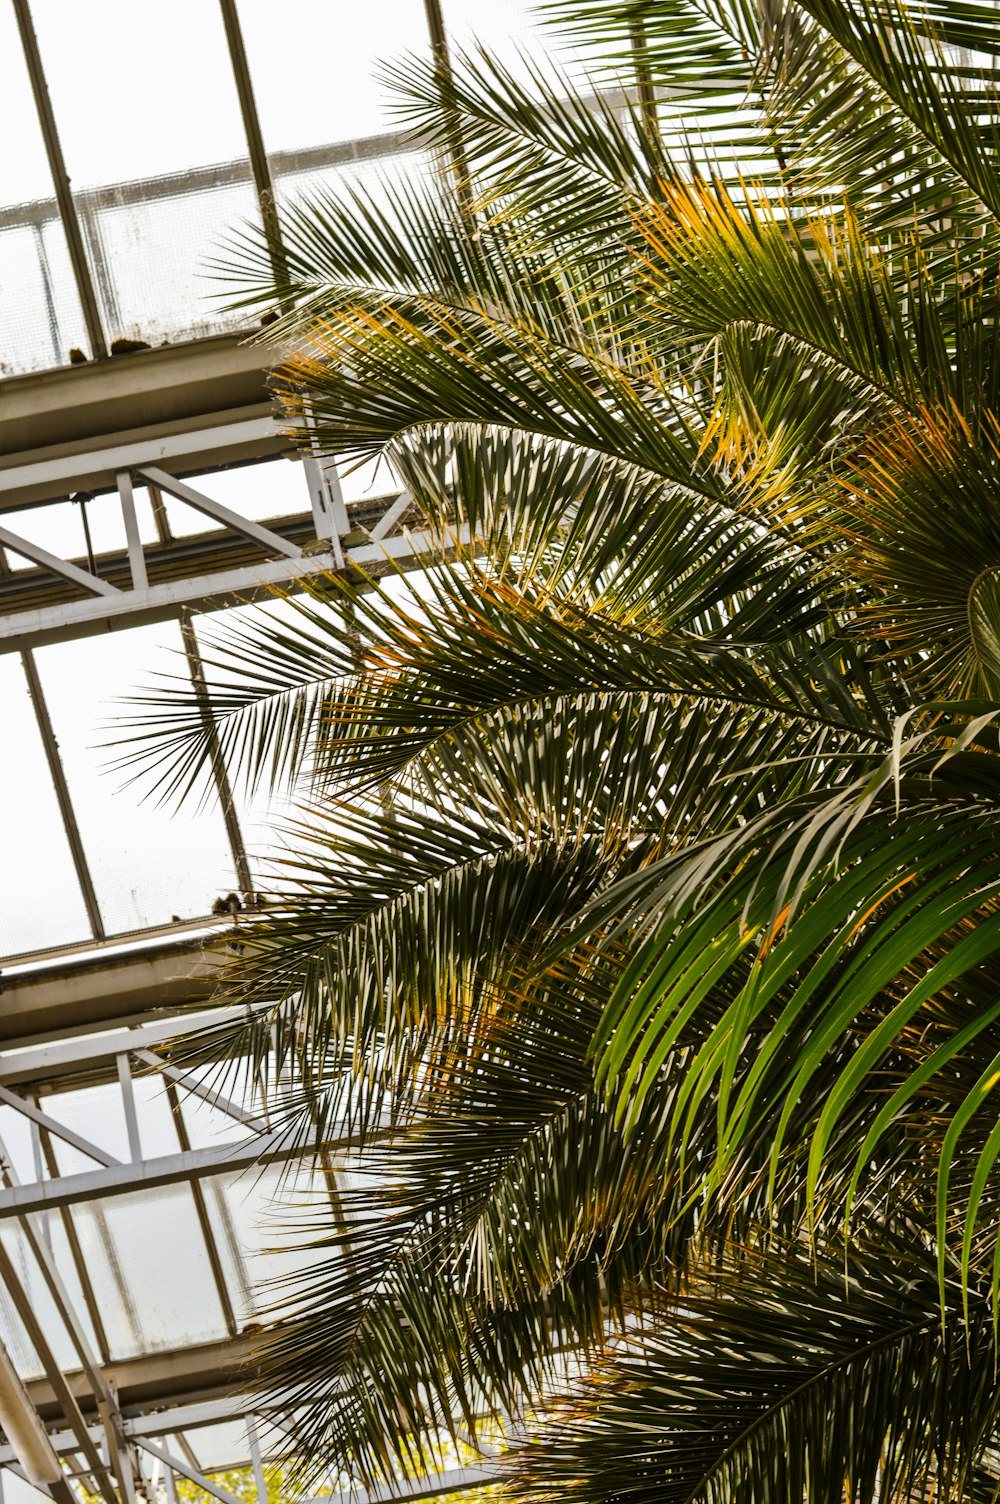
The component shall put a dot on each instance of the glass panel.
(157, 1130)
(261, 491)
(266, 489)
(95, 1112)
(15, 1339)
(42, 1304)
(39, 309)
(352, 40)
(262, 816)
(249, 1216)
(157, 157)
(19, 1144)
(58, 527)
(208, 1126)
(147, 1260)
(18, 1491)
(507, 29)
(40, 900)
(368, 481)
(220, 1446)
(150, 864)
(372, 177)
(151, 255)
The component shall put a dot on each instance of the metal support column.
(259, 164)
(66, 810)
(644, 79)
(60, 179)
(221, 777)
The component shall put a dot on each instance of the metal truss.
(236, 559)
(239, 559)
(88, 1427)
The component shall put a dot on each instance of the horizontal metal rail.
(158, 602)
(139, 1175)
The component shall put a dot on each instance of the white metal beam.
(389, 518)
(176, 1465)
(62, 567)
(47, 1059)
(60, 1130)
(129, 608)
(165, 1169)
(136, 558)
(78, 471)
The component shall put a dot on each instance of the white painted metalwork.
(43, 1120)
(166, 1169)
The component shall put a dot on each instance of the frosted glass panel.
(147, 1260)
(97, 1114)
(250, 1217)
(42, 1304)
(150, 864)
(151, 255)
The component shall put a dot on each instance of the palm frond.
(791, 1379)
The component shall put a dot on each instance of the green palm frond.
(856, 918)
(792, 1378)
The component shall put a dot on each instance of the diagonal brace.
(273, 542)
(207, 1094)
(68, 1135)
(54, 564)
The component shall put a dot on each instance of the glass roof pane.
(18, 1490)
(20, 1147)
(207, 1125)
(220, 1446)
(350, 103)
(16, 1340)
(154, 281)
(135, 1248)
(42, 1304)
(368, 481)
(40, 313)
(309, 133)
(40, 900)
(157, 1130)
(157, 158)
(249, 1216)
(508, 29)
(95, 1112)
(150, 864)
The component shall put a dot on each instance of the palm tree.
(641, 917)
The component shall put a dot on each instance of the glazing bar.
(60, 178)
